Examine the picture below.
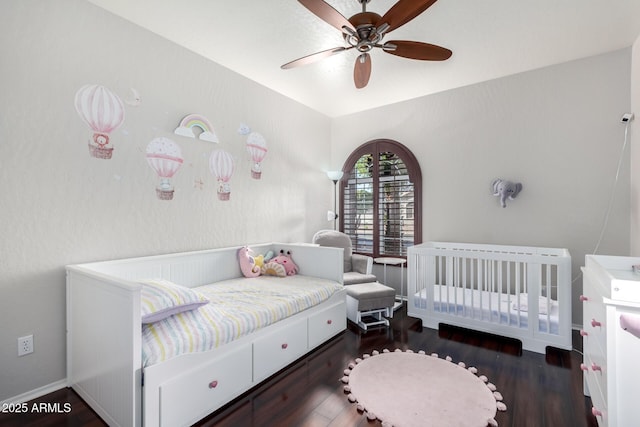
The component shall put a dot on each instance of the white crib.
(512, 291)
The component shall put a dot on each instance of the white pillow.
(161, 298)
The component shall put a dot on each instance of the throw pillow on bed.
(272, 268)
(161, 298)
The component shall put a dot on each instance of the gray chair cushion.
(353, 277)
(360, 263)
(336, 239)
(371, 296)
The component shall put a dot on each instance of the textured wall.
(557, 130)
(634, 137)
(60, 206)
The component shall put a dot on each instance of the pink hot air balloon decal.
(103, 111)
(221, 165)
(257, 148)
(165, 157)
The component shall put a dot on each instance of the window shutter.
(395, 194)
(380, 199)
(358, 205)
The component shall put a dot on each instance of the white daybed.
(104, 348)
(513, 291)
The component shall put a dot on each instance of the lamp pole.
(335, 176)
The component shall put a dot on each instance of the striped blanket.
(237, 307)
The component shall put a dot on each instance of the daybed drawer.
(281, 347)
(327, 323)
(195, 394)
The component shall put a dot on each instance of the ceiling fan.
(364, 31)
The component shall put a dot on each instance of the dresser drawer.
(598, 389)
(594, 316)
(196, 393)
(598, 371)
(276, 350)
(599, 407)
(327, 323)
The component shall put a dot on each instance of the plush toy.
(273, 269)
(247, 263)
(259, 260)
(262, 259)
(506, 189)
(285, 260)
(268, 256)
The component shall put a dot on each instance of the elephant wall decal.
(506, 189)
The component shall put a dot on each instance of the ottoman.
(373, 300)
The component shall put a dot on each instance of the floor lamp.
(334, 176)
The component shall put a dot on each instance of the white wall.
(634, 134)
(557, 130)
(60, 206)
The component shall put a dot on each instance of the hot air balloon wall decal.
(221, 165)
(257, 148)
(103, 111)
(165, 157)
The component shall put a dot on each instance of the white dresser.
(611, 363)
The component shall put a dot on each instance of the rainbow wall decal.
(191, 122)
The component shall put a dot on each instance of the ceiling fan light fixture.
(379, 31)
(389, 46)
(348, 32)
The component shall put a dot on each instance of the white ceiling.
(489, 39)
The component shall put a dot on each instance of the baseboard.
(34, 394)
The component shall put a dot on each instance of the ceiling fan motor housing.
(366, 35)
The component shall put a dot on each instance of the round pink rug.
(405, 389)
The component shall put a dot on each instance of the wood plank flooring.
(539, 390)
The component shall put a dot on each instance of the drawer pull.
(595, 323)
(284, 346)
(595, 412)
(595, 367)
(213, 384)
(583, 298)
(329, 322)
(583, 333)
(584, 367)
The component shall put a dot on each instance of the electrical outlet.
(25, 345)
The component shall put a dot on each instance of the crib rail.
(516, 291)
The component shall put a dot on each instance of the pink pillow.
(247, 263)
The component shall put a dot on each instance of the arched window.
(381, 199)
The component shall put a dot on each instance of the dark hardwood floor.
(539, 390)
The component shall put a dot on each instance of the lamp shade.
(334, 175)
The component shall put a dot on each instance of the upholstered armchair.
(357, 268)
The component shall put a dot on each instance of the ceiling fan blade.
(404, 11)
(362, 70)
(314, 57)
(417, 50)
(327, 13)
